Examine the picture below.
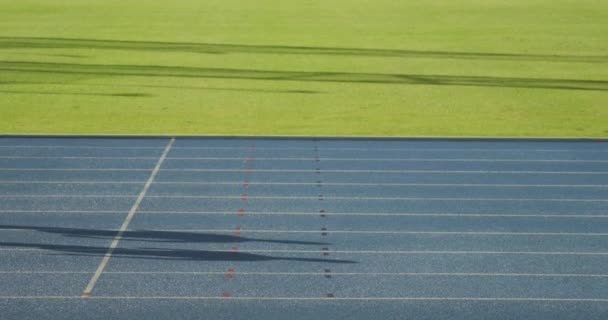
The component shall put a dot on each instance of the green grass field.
(314, 67)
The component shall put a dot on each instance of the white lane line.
(372, 274)
(394, 171)
(515, 299)
(127, 221)
(309, 159)
(8, 249)
(345, 184)
(356, 214)
(327, 170)
(45, 272)
(370, 252)
(61, 211)
(17, 196)
(377, 198)
(75, 147)
(393, 159)
(421, 274)
(364, 232)
(75, 169)
(488, 233)
(407, 149)
(372, 214)
(100, 196)
(78, 157)
(367, 184)
(73, 182)
(430, 252)
(373, 232)
(526, 150)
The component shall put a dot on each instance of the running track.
(259, 228)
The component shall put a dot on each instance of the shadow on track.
(159, 237)
(97, 70)
(215, 48)
(153, 235)
(164, 253)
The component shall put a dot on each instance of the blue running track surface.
(278, 228)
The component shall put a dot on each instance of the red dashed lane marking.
(229, 273)
(244, 197)
(241, 212)
(246, 183)
(237, 230)
(251, 149)
(225, 295)
(234, 250)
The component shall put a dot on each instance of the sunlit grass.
(466, 68)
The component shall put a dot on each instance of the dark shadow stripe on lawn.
(342, 77)
(214, 48)
(116, 85)
(123, 95)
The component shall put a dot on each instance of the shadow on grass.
(341, 77)
(148, 86)
(59, 55)
(211, 48)
(123, 95)
(160, 237)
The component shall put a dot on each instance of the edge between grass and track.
(304, 137)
